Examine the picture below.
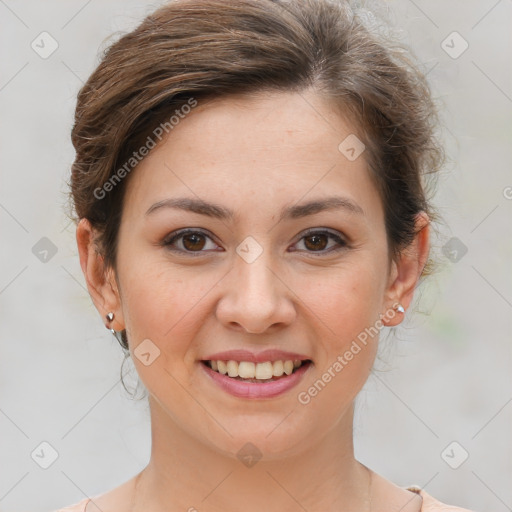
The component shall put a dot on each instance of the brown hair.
(210, 48)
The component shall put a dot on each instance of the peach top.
(429, 504)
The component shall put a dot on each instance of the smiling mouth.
(256, 372)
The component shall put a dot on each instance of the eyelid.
(341, 240)
(168, 240)
(186, 231)
(313, 231)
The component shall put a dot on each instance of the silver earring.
(110, 316)
(400, 308)
(117, 334)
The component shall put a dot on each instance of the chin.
(266, 439)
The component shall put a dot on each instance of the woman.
(250, 190)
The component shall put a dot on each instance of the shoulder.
(76, 507)
(430, 504)
(118, 498)
(400, 499)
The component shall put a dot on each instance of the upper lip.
(261, 357)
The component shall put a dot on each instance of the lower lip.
(256, 390)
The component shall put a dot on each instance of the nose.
(256, 298)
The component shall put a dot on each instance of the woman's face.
(259, 270)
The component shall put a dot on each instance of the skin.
(254, 155)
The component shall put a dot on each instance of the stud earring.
(110, 316)
(118, 335)
(400, 308)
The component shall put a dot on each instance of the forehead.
(273, 147)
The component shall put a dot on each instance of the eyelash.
(342, 244)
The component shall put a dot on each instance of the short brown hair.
(210, 48)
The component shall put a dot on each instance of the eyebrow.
(297, 211)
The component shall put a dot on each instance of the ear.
(100, 281)
(406, 272)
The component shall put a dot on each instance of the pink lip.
(260, 357)
(242, 389)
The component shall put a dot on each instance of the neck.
(186, 474)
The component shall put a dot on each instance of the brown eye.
(322, 242)
(316, 242)
(189, 241)
(193, 242)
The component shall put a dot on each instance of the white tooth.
(246, 370)
(296, 363)
(221, 367)
(264, 370)
(232, 368)
(288, 367)
(214, 365)
(278, 368)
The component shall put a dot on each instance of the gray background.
(445, 374)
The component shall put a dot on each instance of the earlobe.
(407, 271)
(100, 281)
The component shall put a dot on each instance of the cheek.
(347, 299)
(161, 307)
(346, 308)
(345, 304)
(161, 302)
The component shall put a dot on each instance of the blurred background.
(437, 409)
